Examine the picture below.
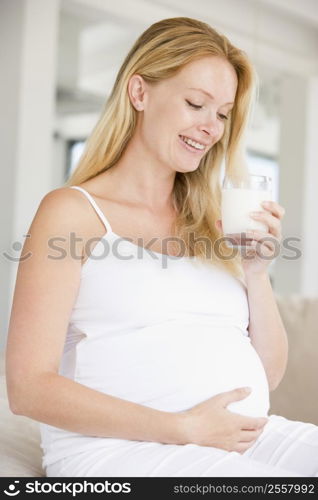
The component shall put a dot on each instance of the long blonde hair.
(163, 49)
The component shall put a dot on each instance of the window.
(261, 165)
(74, 152)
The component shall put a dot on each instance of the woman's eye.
(195, 106)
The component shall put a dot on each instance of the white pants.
(286, 448)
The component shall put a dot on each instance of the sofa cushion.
(20, 451)
(296, 396)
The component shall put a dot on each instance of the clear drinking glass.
(239, 198)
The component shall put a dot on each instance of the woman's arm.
(45, 291)
(56, 400)
(266, 328)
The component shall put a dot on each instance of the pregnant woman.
(133, 331)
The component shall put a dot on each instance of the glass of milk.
(239, 198)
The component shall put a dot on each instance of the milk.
(237, 203)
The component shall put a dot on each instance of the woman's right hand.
(210, 423)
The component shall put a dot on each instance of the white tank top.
(165, 332)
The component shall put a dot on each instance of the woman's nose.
(211, 126)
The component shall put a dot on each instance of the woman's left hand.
(260, 248)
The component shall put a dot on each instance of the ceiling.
(306, 10)
(280, 36)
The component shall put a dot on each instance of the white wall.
(298, 159)
(29, 38)
(11, 22)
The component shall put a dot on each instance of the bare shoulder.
(64, 209)
(61, 220)
(61, 199)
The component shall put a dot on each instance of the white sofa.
(296, 397)
(20, 452)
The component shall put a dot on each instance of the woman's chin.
(191, 167)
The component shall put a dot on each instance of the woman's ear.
(136, 91)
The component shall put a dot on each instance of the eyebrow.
(207, 93)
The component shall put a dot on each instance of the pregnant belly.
(173, 367)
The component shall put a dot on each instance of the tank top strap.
(96, 207)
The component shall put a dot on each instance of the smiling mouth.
(192, 145)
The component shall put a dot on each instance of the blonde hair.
(162, 50)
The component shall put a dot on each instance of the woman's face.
(192, 105)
